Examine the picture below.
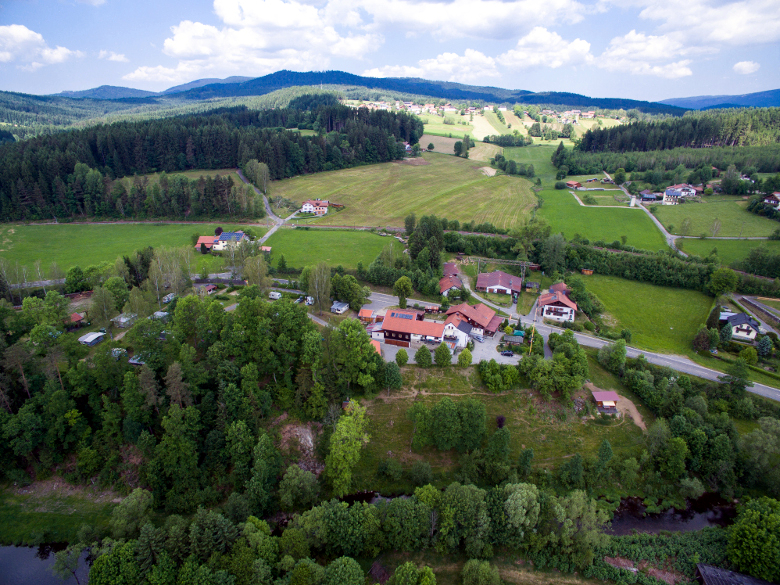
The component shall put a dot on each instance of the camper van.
(274, 295)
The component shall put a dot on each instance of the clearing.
(730, 210)
(433, 124)
(537, 155)
(482, 127)
(570, 218)
(384, 194)
(302, 247)
(729, 251)
(75, 244)
(660, 318)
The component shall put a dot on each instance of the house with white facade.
(227, 239)
(743, 327)
(315, 206)
(556, 304)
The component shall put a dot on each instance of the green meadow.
(729, 251)
(734, 219)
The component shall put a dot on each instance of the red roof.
(560, 287)
(450, 269)
(75, 318)
(316, 202)
(553, 298)
(375, 343)
(208, 240)
(365, 313)
(479, 314)
(608, 396)
(499, 278)
(412, 326)
(448, 282)
(494, 324)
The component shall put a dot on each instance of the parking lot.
(482, 351)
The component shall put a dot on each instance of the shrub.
(560, 185)
(464, 359)
(749, 355)
(421, 474)
(401, 357)
(423, 357)
(443, 355)
(589, 326)
(480, 573)
(390, 468)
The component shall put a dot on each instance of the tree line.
(39, 177)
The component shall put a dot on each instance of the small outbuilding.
(339, 308)
(92, 338)
(606, 401)
(124, 320)
(366, 316)
(573, 184)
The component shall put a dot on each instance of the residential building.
(315, 206)
(648, 197)
(573, 184)
(450, 269)
(366, 315)
(556, 304)
(499, 282)
(402, 328)
(227, 239)
(457, 331)
(606, 401)
(773, 200)
(207, 241)
(482, 318)
(450, 283)
(743, 327)
(670, 196)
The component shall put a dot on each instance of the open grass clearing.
(303, 248)
(570, 218)
(773, 303)
(734, 219)
(441, 144)
(660, 318)
(88, 244)
(729, 251)
(384, 194)
(542, 425)
(498, 126)
(433, 124)
(482, 127)
(484, 151)
(539, 156)
(517, 123)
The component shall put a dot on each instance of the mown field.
(303, 248)
(660, 318)
(728, 250)
(539, 156)
(85, 245)
(435, 125)
(498, 126)
(570, 218)
(533, 422)
(384, 194)
(734, 220)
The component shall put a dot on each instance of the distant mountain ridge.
(201, 82)
(107, 92)
(761, 99)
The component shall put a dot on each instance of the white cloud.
(641, 54)
(746, 67)
(28, 48)
(472, 66)
(541, 47)
(111, 56)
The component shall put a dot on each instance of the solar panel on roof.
(402, 316)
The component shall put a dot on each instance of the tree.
(458, 148)
(118, 288)
(393, 379)
(177, 389)
(476, 572)
(103, 306)
(356, 357)
(298, 489)
(344, 571)
(430, 146)
(464, 359)
(345, 444)
(673, 459)
(620, 176)
(701, 342)
(722, 281)
(319, 285)
(443, 355)
(736, 377)
(422, 357)
(764, 347)
(613, 356)
(131, 513)
(726, 333)
(401, 358)
(403, 290)
(754, 540)
(553, 253)
(749, 355)
(410, 223)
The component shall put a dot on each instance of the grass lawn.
(303, 248)
(569, 217)
(660, 318)
(774, 303)
(482, 127)
(435, 125)
(44, 515)
(85, 245)
(384, 194)
(537, 155)
(728, 250)
(533, 422)
(734, 220)
(496, 299)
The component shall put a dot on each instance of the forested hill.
(440, 89)
(68, 174)
(743, 127)
(761, 99)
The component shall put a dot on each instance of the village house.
(670, 197)
(773, 200)
(743, 327)
(648, 196)
(403, 327)
(457, 331)
(366, 316)
(556, 304)
(499, 282)
(315, 206)
(683, 190)
(573, 184)
(482, 318)
(450, 283)
(227, 239)
(207, 241)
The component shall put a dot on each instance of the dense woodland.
(40, 179)
(734, 127)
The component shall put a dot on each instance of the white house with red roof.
(448, 284)
(315, 206)
(482, 318)
(402, 328)
(499, 282)
(556, 304)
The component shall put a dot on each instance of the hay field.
(482, 127)
(435, 125)
(730, 210)
(384, 194)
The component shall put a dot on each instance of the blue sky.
(641, 49)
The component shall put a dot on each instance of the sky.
(639, 49)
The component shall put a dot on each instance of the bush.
(390, 468)
(423, 357)
(464, 359)
(749, 355)
(401, 357)
(560, 185)
(589, 326)
(421, 474)
(480, 573)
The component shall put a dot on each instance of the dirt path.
(627, 407)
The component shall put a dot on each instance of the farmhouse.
(456, 332)
(449, 283)
(366, 316)
(773, 200)
(743, 327)
(207, 241)
(402, 328)
(556, 304)
(573, 184)
(227, 239)
(91, 338)
(606, 402)
(499, 282)
(647, 196)
(671, 197)
(684, 189)
(482, 318)
(315, 206)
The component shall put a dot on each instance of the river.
(708, 510)
(23, 565)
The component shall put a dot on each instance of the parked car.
(298, 300)
(508, 353)
(479, 338)
(309, 300)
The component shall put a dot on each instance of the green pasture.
(84, 245)
(535, 423)
(303, 248)
(734, 219)
(537, 155)
(435, 125)
(570, 218)
(384, 194)
(498, 126)
(660, 318)
(729, 251)
(773, 303)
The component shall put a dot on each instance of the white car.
(309, 300)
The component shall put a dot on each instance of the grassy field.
(539, 156)
(517, 123)
(482, 127)
(498, 126)
(568, 217)
(303, 248)
(441, 144)
(39, 513)
(435, 125)
(384, 194)
(728, 250)
(85, 245)
(735, 221)
(660, 318)
(535, 423)
(774, 303)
